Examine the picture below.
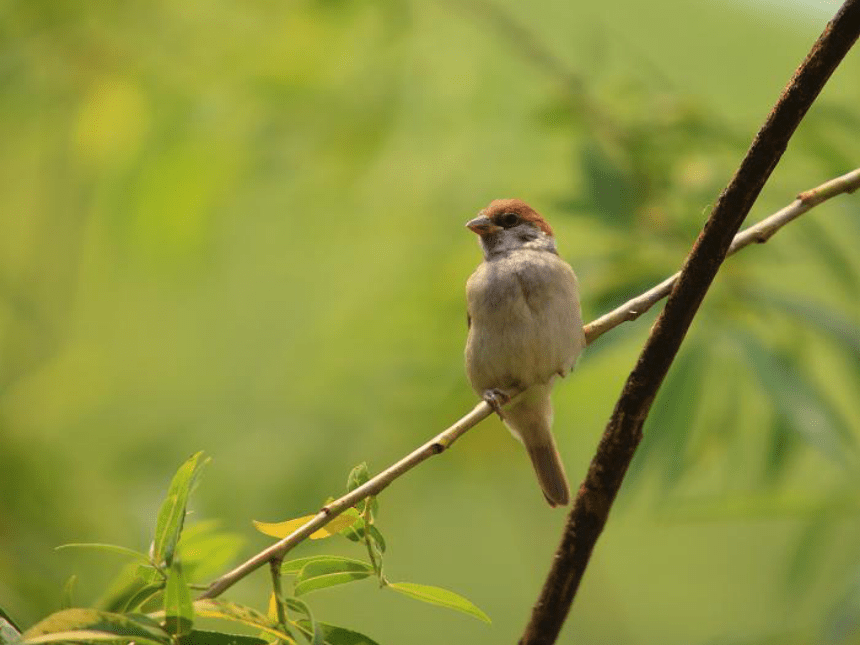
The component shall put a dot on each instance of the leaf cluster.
(154, 604)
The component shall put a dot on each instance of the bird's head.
(507, 225)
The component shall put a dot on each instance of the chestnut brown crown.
(497, 209)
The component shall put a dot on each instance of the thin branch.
(756, 234)
(277, 590)
(624, 429)
(631, 310)
(438, 444)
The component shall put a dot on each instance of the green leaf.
(439, 596)
(240, 614)
(357, 477)
(325, 563)
(200, 637)
(292, 567)
(99, 625)
(333, 635)
(85, 636)
(148, 574)
(171, 516)
(109, 548)
(329, 580)
(355, 533)
(128, 583)
(142, 596)
(67, 599)
(178, 610)
(376, 536)
(309, 626)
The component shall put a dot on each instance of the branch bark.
(624, 429)
(631, 310)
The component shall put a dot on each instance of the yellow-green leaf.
(108, 626)
(329, 580)
(233, 612)
(283, 529)
(316, 565)
(179, 613)
(439, 596)
(85, 636)
(171, 515)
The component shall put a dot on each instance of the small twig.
(275, 570)
(756, 234)
(367, 516)
(628, 311)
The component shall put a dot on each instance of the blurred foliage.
(155, 606)
(239, 229)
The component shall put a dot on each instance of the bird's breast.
(525, 321)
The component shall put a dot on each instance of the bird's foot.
(496, 399)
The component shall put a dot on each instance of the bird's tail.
(530, 419)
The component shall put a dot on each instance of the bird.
(525, 330)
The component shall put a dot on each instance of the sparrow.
(525, 330)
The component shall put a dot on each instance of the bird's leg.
(496, 398)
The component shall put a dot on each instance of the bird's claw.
(496, 399)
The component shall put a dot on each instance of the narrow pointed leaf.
(108, 548)
(171, 516)
(283, 529)
(67, 599)
(328, 564)
(357, 476)
(240, 614)
(85, 636)
(308, 626)
(178, 610)
(376, 536)
(272, 611)
(143, 595)
(293, 567)
(148, 574)
(329, 580)
(137, 626)
(439, 596)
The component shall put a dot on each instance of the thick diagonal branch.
(624, 429)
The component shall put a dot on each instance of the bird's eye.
(508, 220)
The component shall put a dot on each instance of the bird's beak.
(482, 226)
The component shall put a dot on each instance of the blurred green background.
(238, 228)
